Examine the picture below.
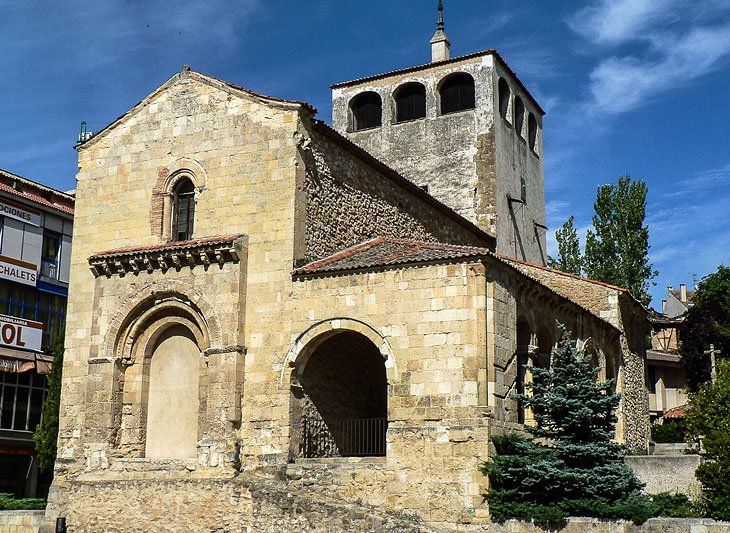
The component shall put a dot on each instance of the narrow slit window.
(183, 211)
(504, 94)
(519, 115)
(532, 132)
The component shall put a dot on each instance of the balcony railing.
(354, 437)
(49, 268)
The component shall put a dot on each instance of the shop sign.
(20, 333)
(19, 212)
(17, 270)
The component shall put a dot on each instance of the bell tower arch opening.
(340, 389)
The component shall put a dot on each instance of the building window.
(183, 210)
(457, 93)
(50, 254)
(523, 190)
(504, 94)
(532, 132)
(519, 115)
(410, 102)
(21, 400)
(31, 304)
(367, 111)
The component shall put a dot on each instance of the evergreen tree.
(573, 467)
(46, 433)
(569, 258)
(708, 417)
(707, 322)
(617, 249)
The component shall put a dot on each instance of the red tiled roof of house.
(25, 192)
(676, 412)
(386, 251)
(490, 52)
(166, 246)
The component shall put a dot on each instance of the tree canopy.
(569, 257)
(707, 322)
(708, 417)
(617, 248)
(46, 433)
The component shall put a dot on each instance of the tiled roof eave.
(165, 256)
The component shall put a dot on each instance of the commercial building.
(35, 252)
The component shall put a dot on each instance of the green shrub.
(9, 503)
(670, 431)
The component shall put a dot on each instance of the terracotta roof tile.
(676, 412)
(560, 272)
(26, 194)
(166, 246)
(386, 251)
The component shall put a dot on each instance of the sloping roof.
(678, 295)
(166, 246)
(561, 273)
(666, 357)
(204, 78)
(393, 252)
(32, 191)
(385, 251)
(676, 412)
(490, 52)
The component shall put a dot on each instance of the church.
(274, 321)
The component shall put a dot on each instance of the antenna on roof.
(440, 44)
(84, 135)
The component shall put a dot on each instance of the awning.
(19, 361)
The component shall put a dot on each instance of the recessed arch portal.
(339, 386)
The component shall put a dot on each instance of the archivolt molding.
(307, 343)
(188, 168)
(179, 301)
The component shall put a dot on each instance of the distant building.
(666, 377)
(35, 254)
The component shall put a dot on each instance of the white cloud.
(618, 21)
(671, 45)
(622, 84)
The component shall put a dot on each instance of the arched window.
(531, 131)
(457, 93)
(183, 213)
(519, 115)
(367, 111)
(504, 93)
(410, 102)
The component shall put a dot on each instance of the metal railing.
(354, 437)
(49, 268)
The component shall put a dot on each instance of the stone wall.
(667, 473)
(350, 200)
(20, 521)
(470, 160)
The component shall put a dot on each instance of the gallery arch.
(339, 390)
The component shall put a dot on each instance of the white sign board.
(17, 270)
(20, 333)
(19, 212)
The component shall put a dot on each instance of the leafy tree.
(707, 322)
(46, 433)
(708, 417)
(617, 249)
(572, 467)
(569, 258)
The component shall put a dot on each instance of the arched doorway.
(341, 396)
(172, 392)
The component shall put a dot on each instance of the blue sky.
(630, 86)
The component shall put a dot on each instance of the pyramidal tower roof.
(440, 44)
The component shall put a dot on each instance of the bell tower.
(463, 128)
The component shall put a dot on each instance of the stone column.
(222, 404)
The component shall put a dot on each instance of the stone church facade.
(269, 325)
